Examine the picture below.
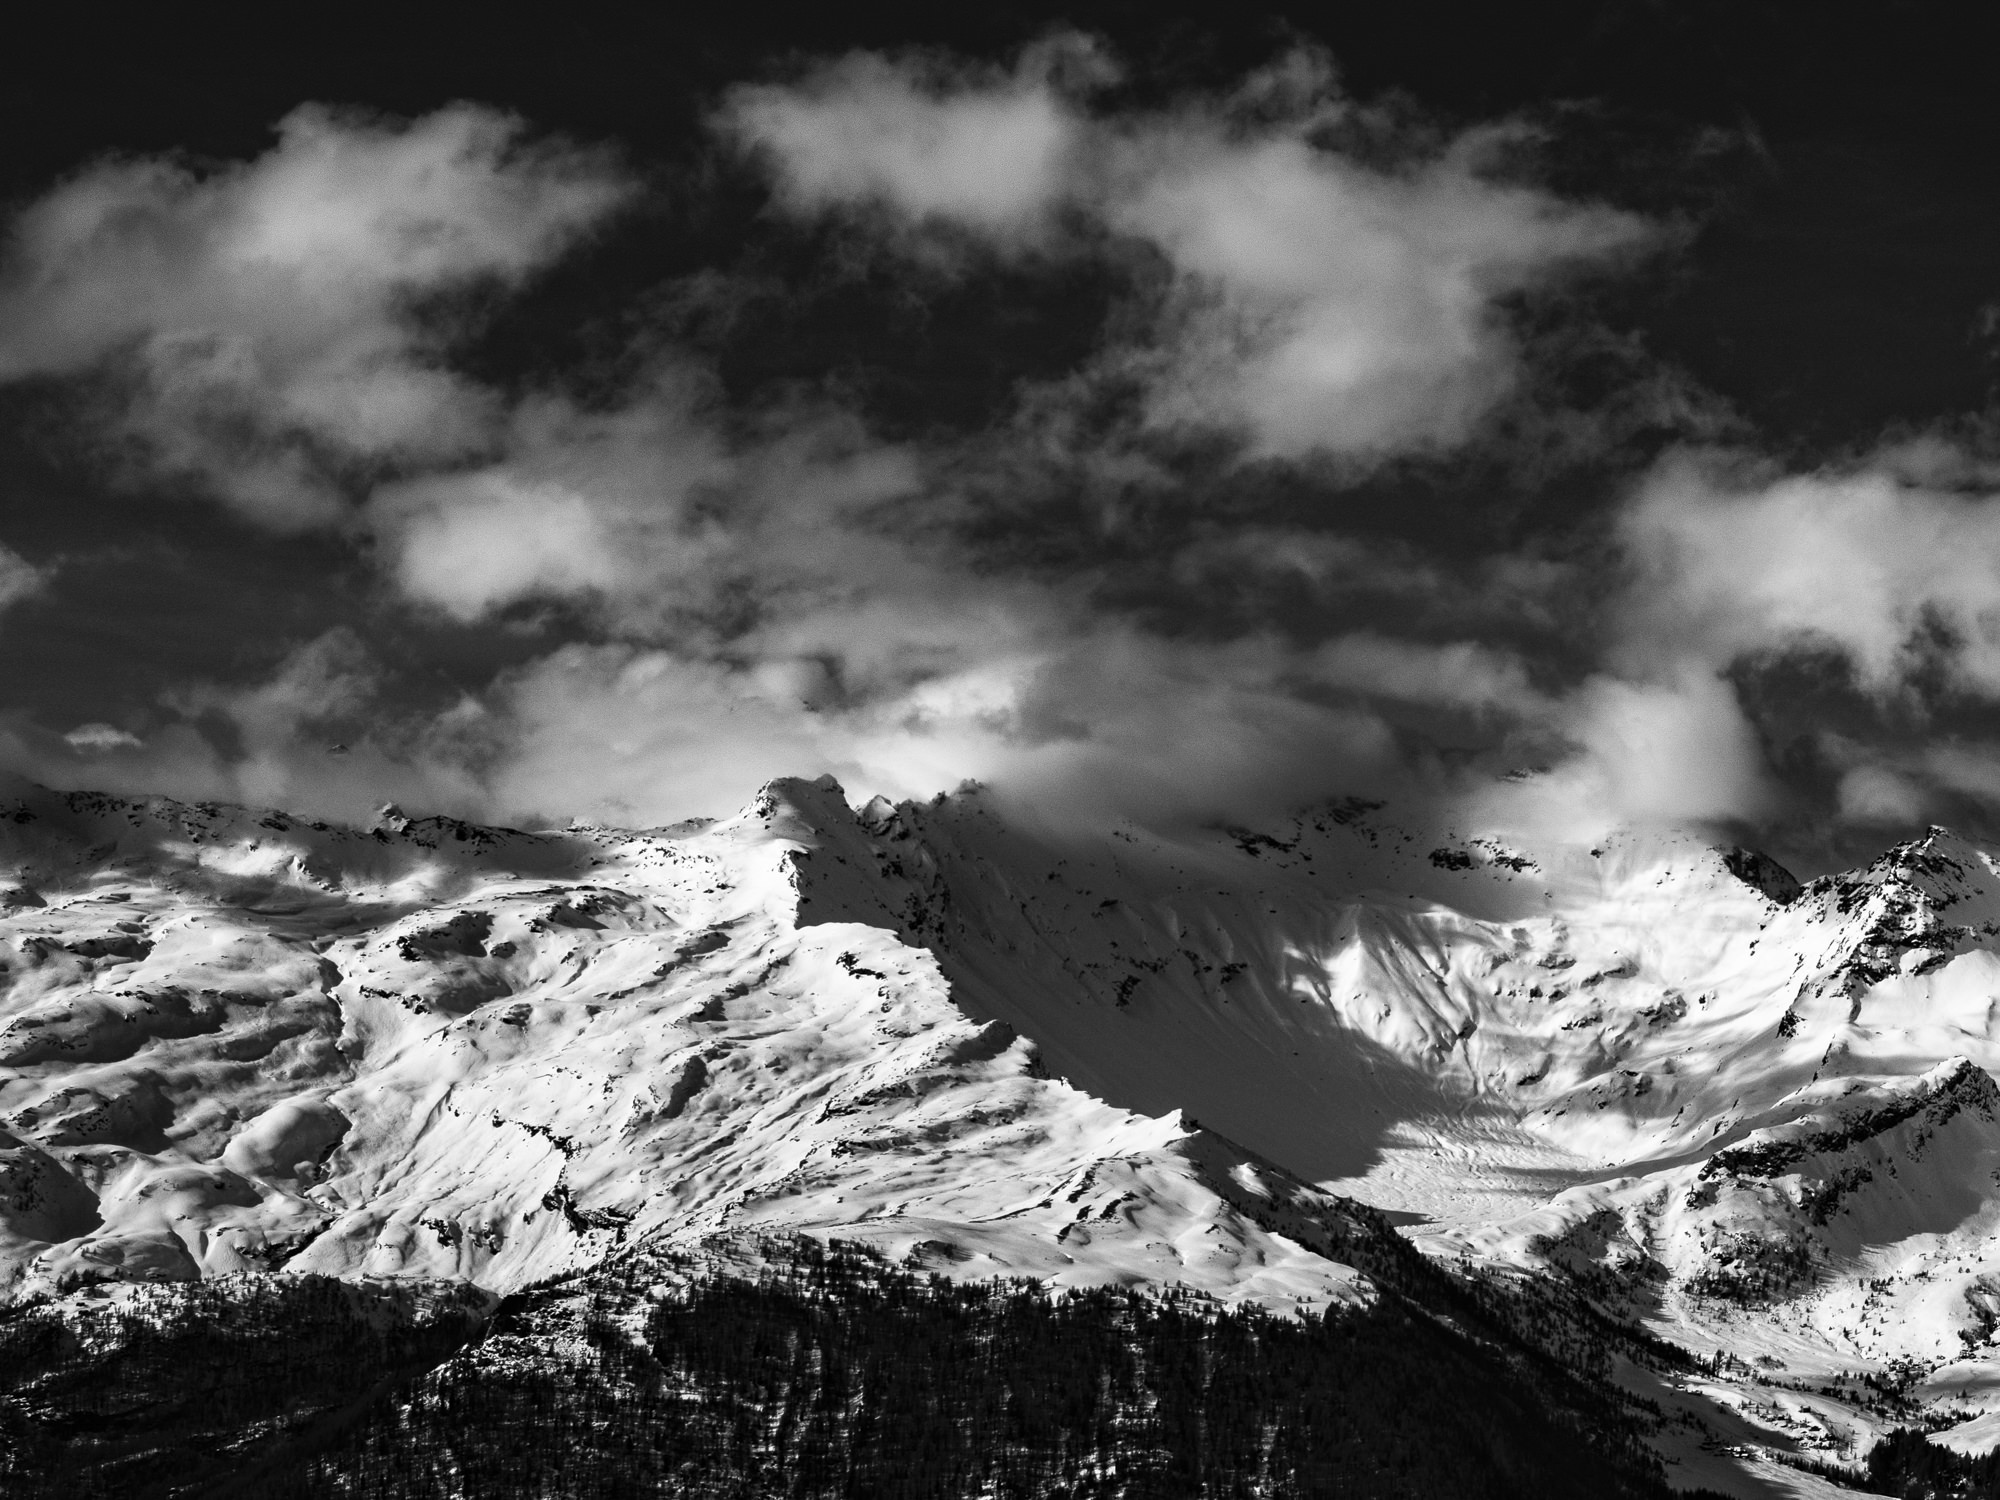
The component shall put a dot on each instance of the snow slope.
(1757, 1117)
(237, 1040)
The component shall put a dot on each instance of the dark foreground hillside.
(1910, 1466)
(824, 1374)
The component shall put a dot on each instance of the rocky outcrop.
(1763, 873)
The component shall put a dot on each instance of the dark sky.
(1156, 417)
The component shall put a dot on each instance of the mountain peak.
(1761, 872)
(810, 803)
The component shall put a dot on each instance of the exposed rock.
(1761, 872)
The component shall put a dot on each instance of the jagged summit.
(1757, 869)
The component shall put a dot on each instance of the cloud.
(658, 517)
(573, 504)
(319, 734)
(19, 578)
(1665, 753)
(1735, 562)
(253, 325)
(1115, 724)
(1457, 674)
(920, 136)
(1894, 785)
(1313, 303)
(1323, 306)
(1876, 794)
(481, 542)
(1726, 567)
(98, 738)
(714, 589)
(769, 588)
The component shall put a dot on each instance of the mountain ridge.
(1727, 1112)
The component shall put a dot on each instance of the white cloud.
(1961, 766)
(315, 736)
(1456, 674)
(325, 693)
(991, 152)
(1316, 304)
(1737, 564)
(1907, 785)
(574, 504)
(488, 540)
(19, 578)
(1107, 723)
(1669, 752)
(780, 592)
(652, 515)
(1322, 305)
(1729, 564)
(1876, 794)
(98, 738)
(256, 319)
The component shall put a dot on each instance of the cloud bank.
(1311, 303)
(255, 327)
(1195, 576)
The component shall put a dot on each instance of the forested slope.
(795, 1370)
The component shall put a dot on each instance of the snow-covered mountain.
(238, 1041)
(1757, 1118)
